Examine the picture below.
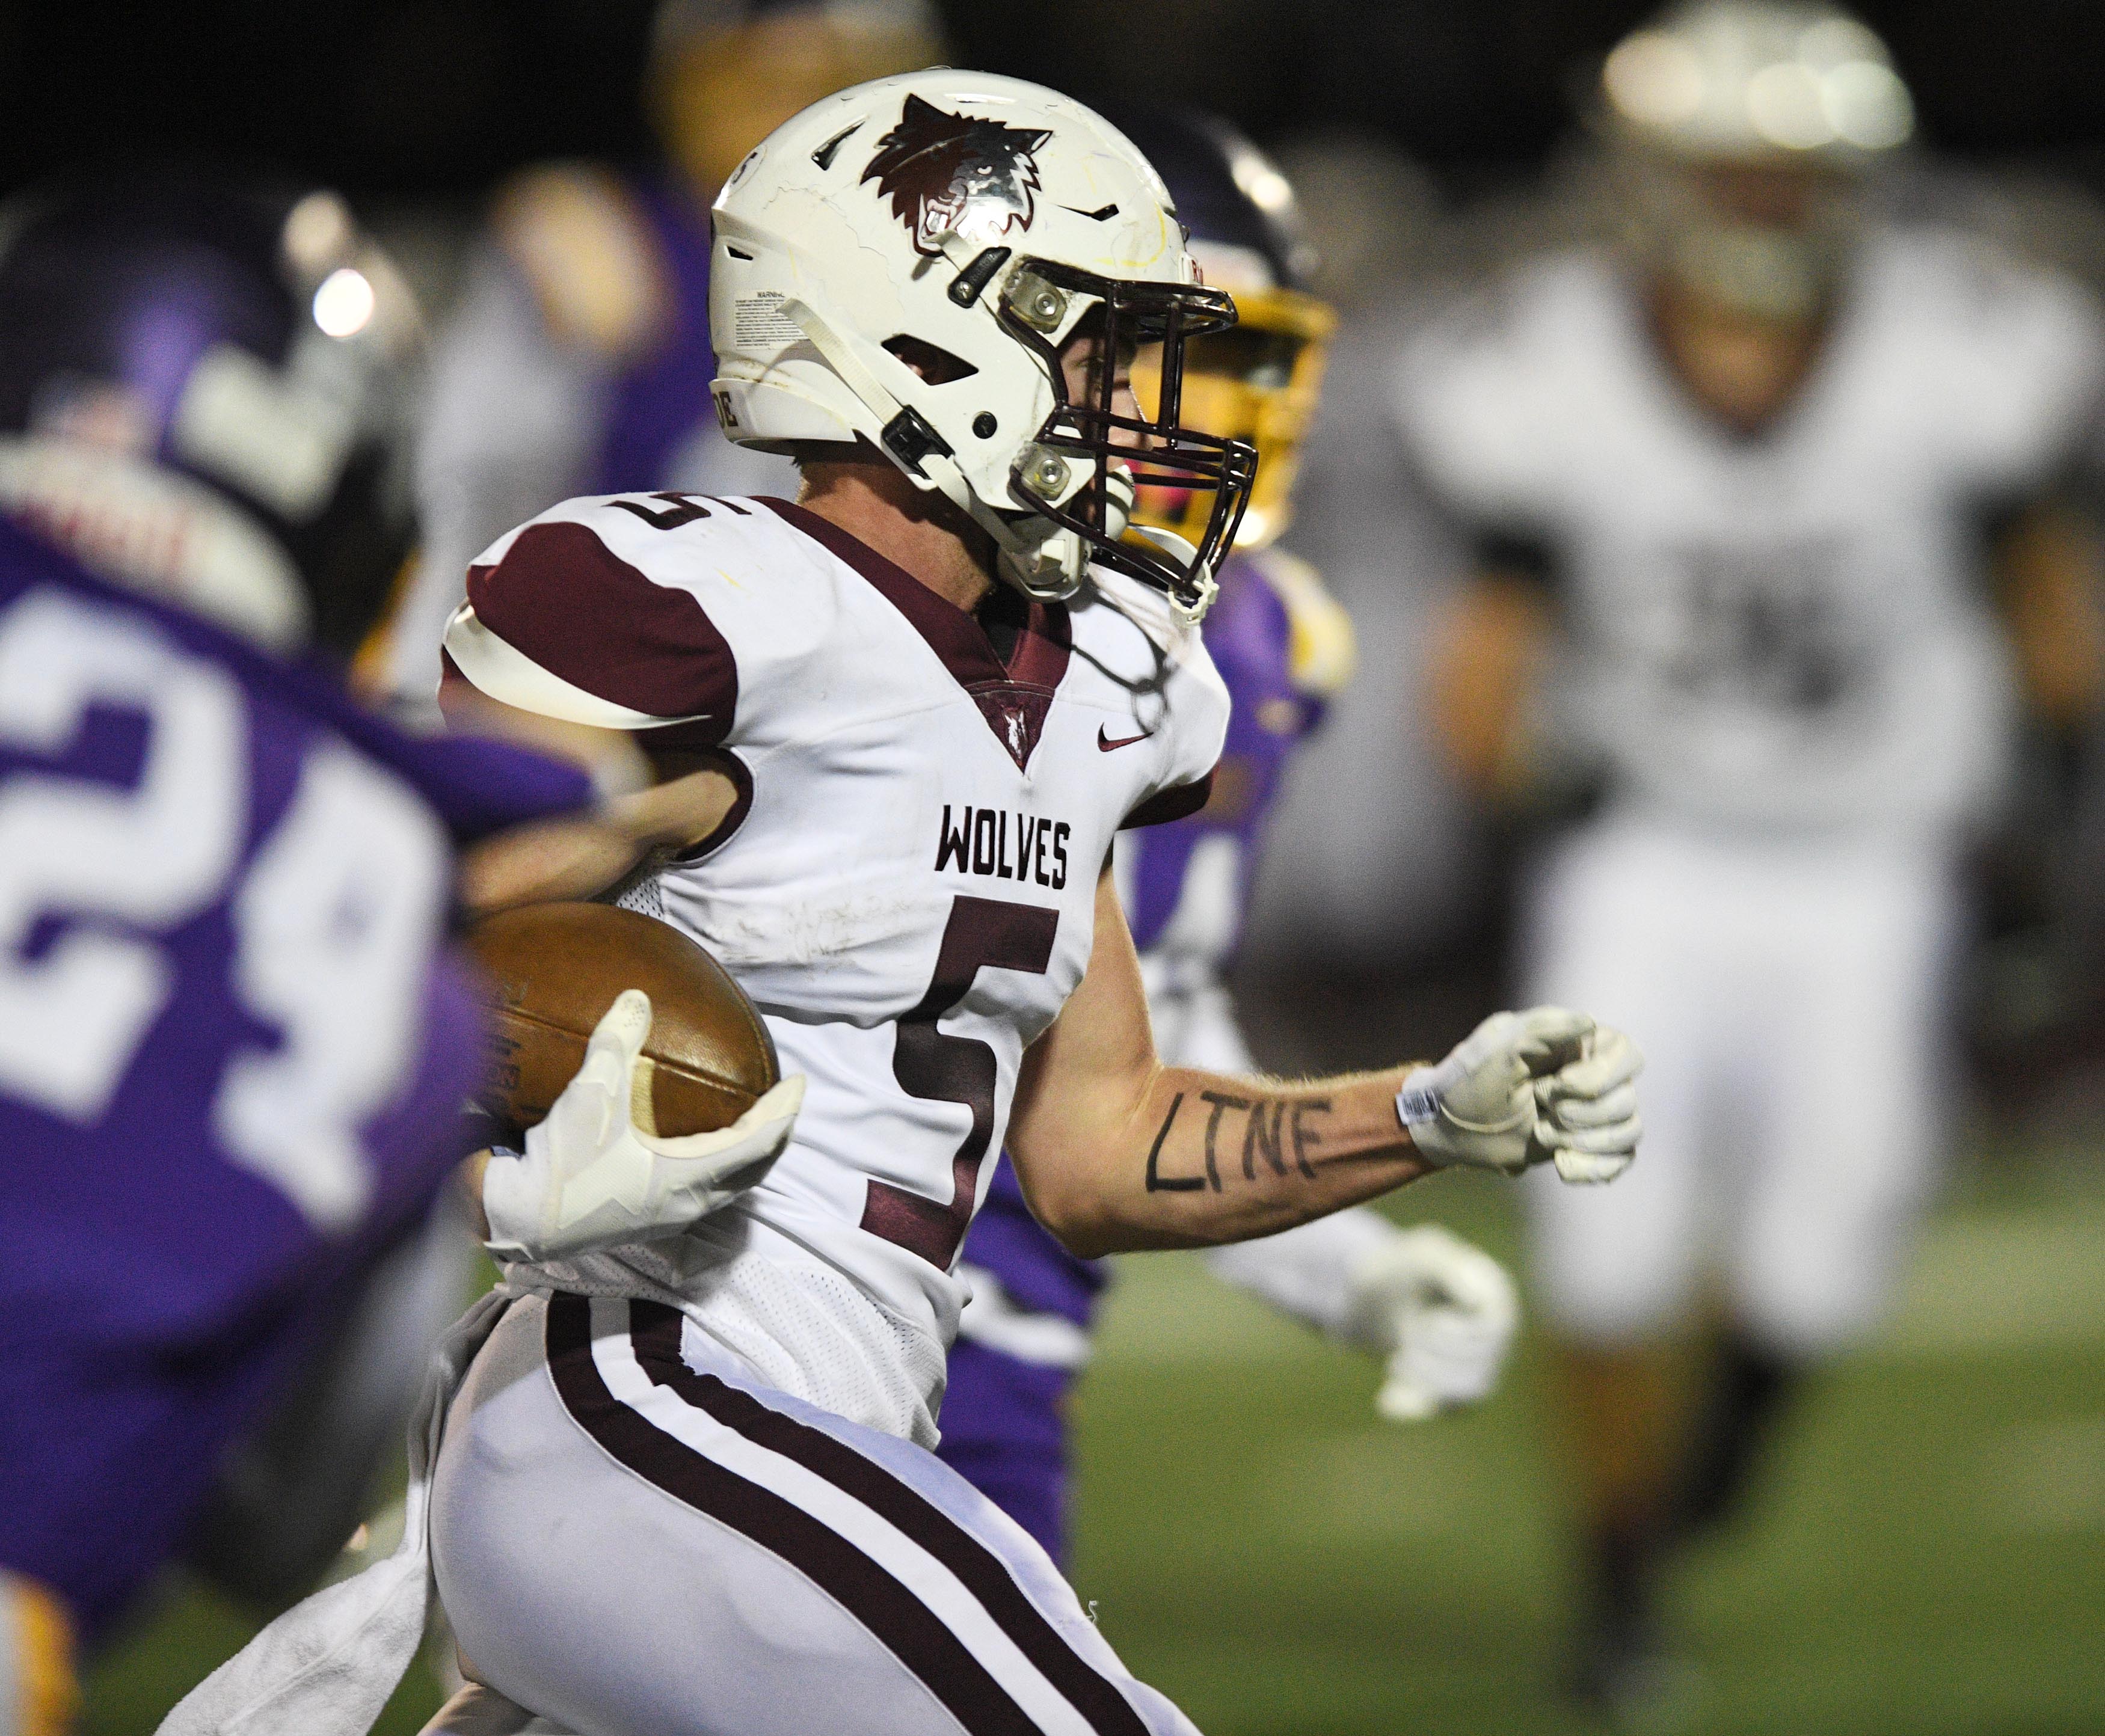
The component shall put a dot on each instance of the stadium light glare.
(344, 303)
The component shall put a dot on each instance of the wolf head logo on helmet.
(955, 174)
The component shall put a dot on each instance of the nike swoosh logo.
(1106, 745)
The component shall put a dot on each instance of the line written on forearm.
(1278, 1136)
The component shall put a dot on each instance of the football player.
(232, 1043)
(233, 1040)
(1744, 495)
(686, 1485)
(578, 359)
(1441, 1313)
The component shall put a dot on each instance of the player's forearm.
(1206, 1159)
(583, 857)
(540, 864)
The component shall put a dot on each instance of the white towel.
(327, 1666)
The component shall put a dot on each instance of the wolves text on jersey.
(980, 840)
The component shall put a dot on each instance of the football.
(555, 969)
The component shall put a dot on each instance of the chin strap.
(1170, 543)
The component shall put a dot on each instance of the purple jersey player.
(579, 361)
(233, 1043)
(234, 1047)
(1439, 1309)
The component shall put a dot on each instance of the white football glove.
(1525, 1087)
(1586, 1112)
(589, 1178)
(1443, 1312)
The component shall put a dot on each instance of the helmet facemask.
(1258, 382)
(1081, 472)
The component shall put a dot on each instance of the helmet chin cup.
(1048, 567)
(1760, 272)
(1041, 557)
(1119, 493)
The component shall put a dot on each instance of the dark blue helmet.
(204, 392)
(1228, 194)
(1259, 380)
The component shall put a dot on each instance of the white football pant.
(632, 1536)
(1789, 995)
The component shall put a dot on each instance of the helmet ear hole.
(932, 362)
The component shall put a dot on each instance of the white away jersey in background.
(906, 891)
(1790, 628)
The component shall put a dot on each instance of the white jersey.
(906, 889)
(1789, 629)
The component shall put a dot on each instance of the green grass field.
(1927, 1553)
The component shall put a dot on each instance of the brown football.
(557, 968)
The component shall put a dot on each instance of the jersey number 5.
(935, 1065)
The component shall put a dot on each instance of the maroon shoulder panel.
(563, 598)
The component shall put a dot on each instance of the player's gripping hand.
(589, 1178)
(1586, 1112)
(1527, 1087)
(1443, 1312)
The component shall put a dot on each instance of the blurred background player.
(1747, 496)
(578, 360)
(233, 1043)
(1441, 1311)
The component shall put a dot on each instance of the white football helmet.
(1792, 87)
(901, 263)
(1760, 81)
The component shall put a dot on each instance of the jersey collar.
(1013, 693)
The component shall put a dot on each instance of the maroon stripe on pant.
(655, 1335)
(894, 1616)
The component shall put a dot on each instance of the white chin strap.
(1170, 543)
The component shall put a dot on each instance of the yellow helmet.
(725, 73)
(1260, 380)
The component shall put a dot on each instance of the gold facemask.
(1258, 381)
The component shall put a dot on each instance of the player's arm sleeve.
(2019, 397)
(1467, 407)
(1194, 729)
(1306, 1271)
(562, 620)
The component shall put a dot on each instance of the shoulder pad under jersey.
(1131, 633)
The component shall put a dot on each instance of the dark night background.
(423, 98)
